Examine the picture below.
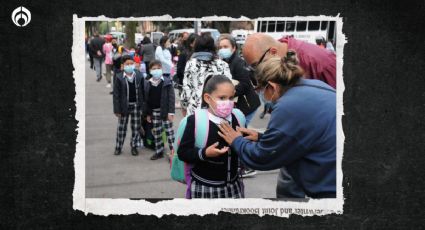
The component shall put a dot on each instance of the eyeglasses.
(254, 65)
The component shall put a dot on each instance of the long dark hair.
(146, 40)
(186, 44)
(210, 85)
(163, 40)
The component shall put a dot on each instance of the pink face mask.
(223, 108)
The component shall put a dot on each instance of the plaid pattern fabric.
(135, 114)
(158, 124)
(231, 190)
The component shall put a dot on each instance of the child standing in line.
(128, 102)
(159, 107)
(214, 172)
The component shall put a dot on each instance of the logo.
(21, 16)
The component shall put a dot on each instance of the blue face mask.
(129, 69)
(225, 53)
(156, 73)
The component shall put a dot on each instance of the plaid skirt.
(231, 190)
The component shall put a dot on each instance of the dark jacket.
(167, 98)
(148, 52)
(248, 100)
(301, 136)
(210, 171)
(96, 44)
(181, 65)
(120, 97)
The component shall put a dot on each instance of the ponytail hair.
(284, 71)
(210, 85)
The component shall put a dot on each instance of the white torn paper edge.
(179, 206)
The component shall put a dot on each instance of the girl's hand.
(170, 117)
(251, 135)
(148, 119)
(228, 133)
(213, 151)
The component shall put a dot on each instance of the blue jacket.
(300, 136)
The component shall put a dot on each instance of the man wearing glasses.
(317, 63)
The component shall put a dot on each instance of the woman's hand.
(251, 135)
(228, 133)
(170, 117)
(148, 119)
(213, 151)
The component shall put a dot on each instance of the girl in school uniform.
(214, 172)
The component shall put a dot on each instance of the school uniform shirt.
(210, 171)
(155, 95)
(318, 63)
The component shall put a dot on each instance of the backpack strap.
(239, 116)
(179, 134)
(201, 127)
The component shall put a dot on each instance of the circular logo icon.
(21, 16)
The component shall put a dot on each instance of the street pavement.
(127, 176)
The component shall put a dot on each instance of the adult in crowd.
(147, 51)
(202, 64)
(186, 50)
(116, 60)
(162, 53)
(96, 48)
(321, 41)
(107, 50)
(89, 51)
(317, 63)
(247, 99)
(301, 134)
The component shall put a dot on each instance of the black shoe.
(117, 152)
(112, 92)
(156, 156)
(134, 152)
(99, 78)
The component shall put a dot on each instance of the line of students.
(134, 96)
